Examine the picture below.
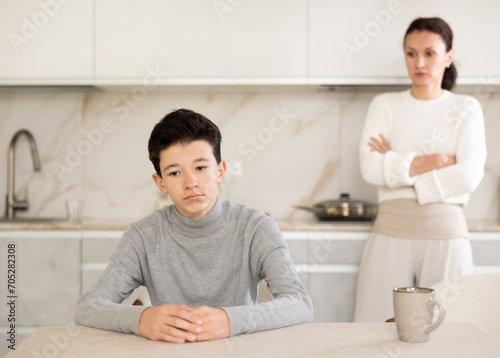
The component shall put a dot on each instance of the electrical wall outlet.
(235, 170)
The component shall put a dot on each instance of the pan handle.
(314, 210)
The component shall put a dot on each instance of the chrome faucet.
(12, 203)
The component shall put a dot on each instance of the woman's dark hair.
(440, 27)
(182, 126)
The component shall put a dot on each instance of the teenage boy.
(202, 258)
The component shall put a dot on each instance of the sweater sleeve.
(464, 176)
(101, 306)
(291, 304)
(391, 168)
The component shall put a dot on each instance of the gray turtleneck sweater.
(217, 261)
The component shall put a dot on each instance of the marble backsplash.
(294, 149)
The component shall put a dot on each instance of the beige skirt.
(405, 218)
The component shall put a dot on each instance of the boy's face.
(190, 175)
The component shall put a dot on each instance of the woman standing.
(425, 150)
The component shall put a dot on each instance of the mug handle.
(431, 302)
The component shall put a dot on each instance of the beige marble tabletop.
(307, 340)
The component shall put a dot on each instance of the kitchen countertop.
(285, 225)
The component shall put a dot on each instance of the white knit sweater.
(451, 124)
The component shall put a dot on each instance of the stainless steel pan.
(343, 208)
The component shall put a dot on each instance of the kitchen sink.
(33, 220)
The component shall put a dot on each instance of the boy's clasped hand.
(180, 323)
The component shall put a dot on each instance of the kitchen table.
(374, 340)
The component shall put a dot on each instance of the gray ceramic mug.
(414, 311)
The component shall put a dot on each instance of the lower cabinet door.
(47, 276)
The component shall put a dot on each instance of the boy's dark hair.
(182, 126)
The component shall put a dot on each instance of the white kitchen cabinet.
(46, 42)
(199, 42)
(47, 269)
(97, 247)
(47, 280)
(485, 251)
(362, 41)
(327, 263)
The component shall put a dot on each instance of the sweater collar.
(198, 228)
(445, 95)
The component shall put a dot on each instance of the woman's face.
(426, 58)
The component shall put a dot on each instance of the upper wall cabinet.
(233, 41)
(46, 41)
(362, 41)
(200, 42)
